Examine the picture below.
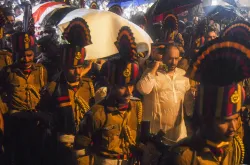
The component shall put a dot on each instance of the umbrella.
(41, 10)
(231, 2)
(174, 6)
(222, 13)
(54, 17)
(104, 28)
(127, 3)
(122, 3)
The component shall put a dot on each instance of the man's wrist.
(153, 72)
(151, 75)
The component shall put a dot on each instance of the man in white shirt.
(163, 89)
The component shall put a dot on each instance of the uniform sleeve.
(180, 160)
(146, 84)
(88, 127)
(180, 157)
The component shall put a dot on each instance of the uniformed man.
(7, 18)
(241, 30)
(5, 59)
(22, 82)
(6, 26)
(218, 67)
(69, 95)
(171, 34)
(109, 130)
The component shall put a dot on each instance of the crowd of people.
(186, 104)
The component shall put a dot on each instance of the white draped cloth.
(163, 99)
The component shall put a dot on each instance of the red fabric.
(136, 71)
(123, 107)
(158, 18)
(42, 8)
(32, 42)
(63, 98)
(75, 89)
(230, 104)
(27, 71)
(83, 55)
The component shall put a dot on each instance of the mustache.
(230, 132)
(126, 96)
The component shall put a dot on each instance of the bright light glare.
(214, 2)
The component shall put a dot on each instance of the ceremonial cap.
(77, 34)
(171, 22)
(125, 70)
(127, 47)
(120, 72)
(25, 40)
(219, 67)
(238, 29)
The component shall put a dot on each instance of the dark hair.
(211, 29)
(17, 7)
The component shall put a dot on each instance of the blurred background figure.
(18, 11)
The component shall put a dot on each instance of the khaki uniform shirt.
(194, 151)
(23, 90)
(113, 132)
(79, 98)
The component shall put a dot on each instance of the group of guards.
(60, 122)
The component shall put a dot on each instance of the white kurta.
(163, 102)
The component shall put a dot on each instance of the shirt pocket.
(111, 137)
(17, 87)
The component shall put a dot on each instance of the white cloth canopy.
(104, 28)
